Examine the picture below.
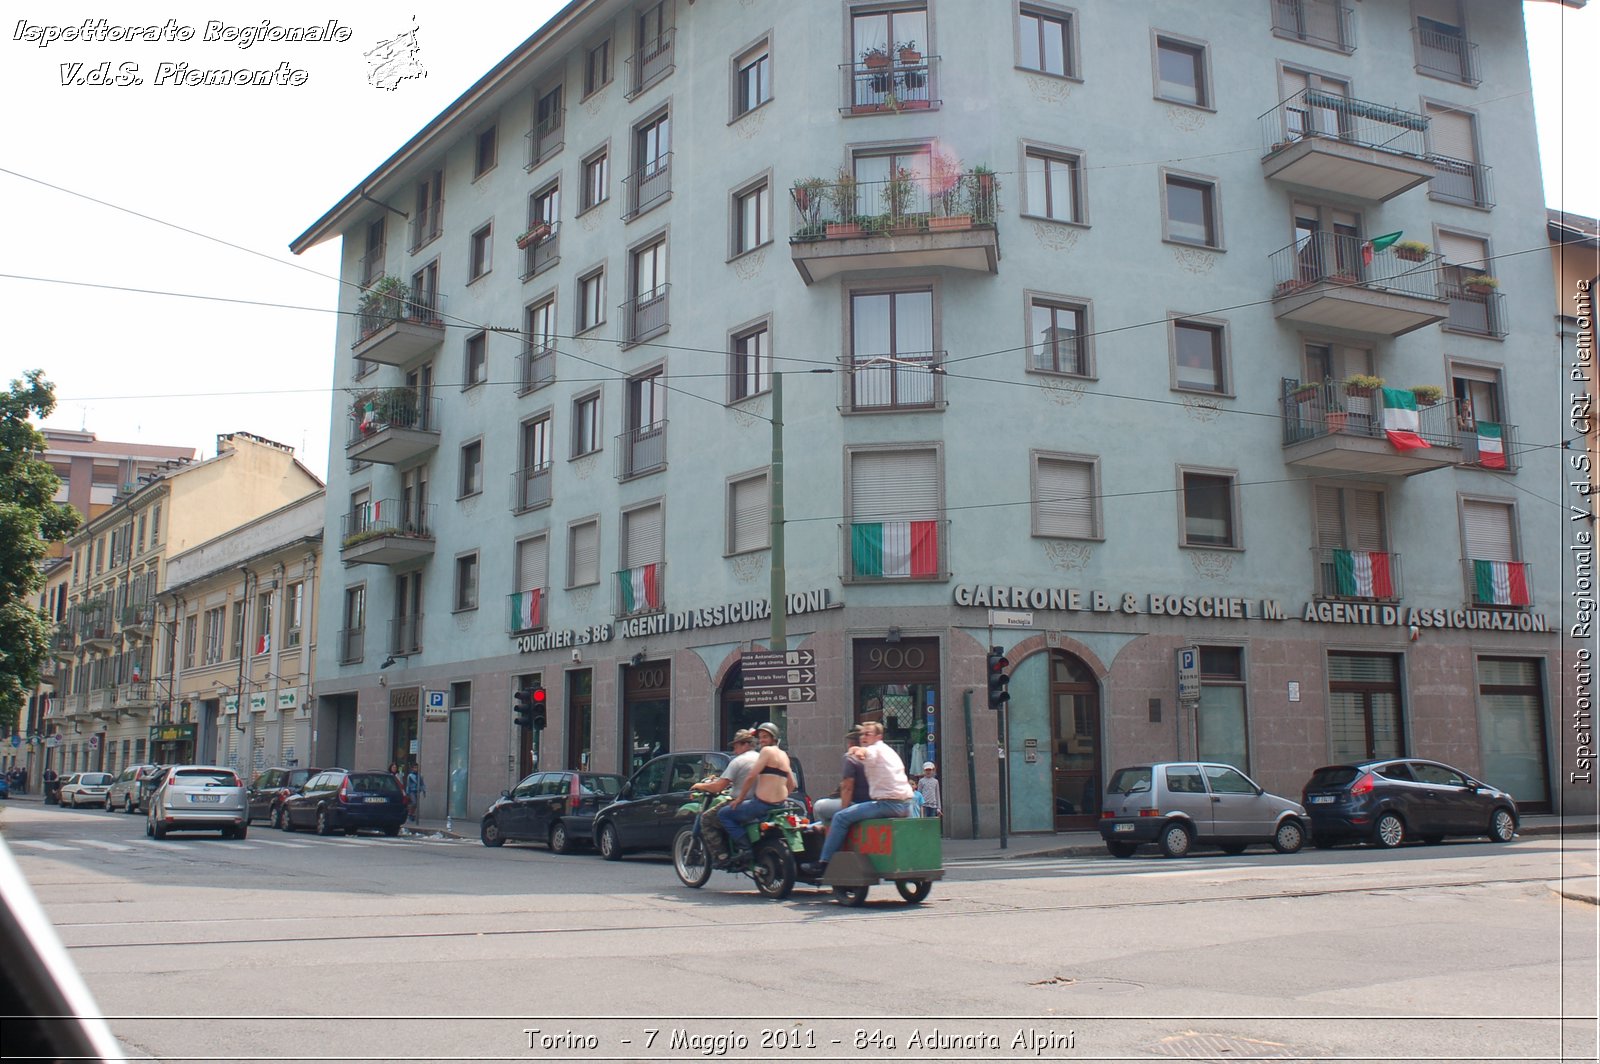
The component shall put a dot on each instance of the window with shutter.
(533, 563)
(642, 536)
(748, 515)
(896, 525)
(1064, 502)
(1487, 531)
(1453, 143)
(583, 554)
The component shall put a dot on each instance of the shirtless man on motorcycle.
(772, 781)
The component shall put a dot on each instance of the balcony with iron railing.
(640, 590)
(890, 83)
(646, 316)
(1461, 181)
(387, 533)
(906, 222)
(907, 380)
(64, 641)
(652, 61)
(352, 645)
(139, 694)
(1356, 575)
(392, 426)
(536, 366)
(1446, 55)
(642, 450)
(648, 186)
(398, 323)
(525, 610)
(139, 618)
(545, 139)
(1337, 281)
(530, 488)
(405, 635)
(1342, 428)
(1497, 585)
(888, 551)
(427, 225)
(539, 253)
(94, 625)
(1474, 309)
(1349, 147)
(370, 268)
(1324, 23)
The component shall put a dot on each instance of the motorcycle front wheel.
(689, 858)
(773, 870)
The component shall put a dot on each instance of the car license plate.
(376, 799)
(205, 797)
(1124, 827)
(1322, 799)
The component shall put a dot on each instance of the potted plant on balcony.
(910, 55)
(1427, 394)
(947, 185)
(843, 194)
(1411, 250)
(539, 231)
(382, 303)
(875, 58)
(897, 196)
(985, 201)
(1362, 384)
(809, 193)
(1480, 284)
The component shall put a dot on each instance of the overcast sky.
(255, 166)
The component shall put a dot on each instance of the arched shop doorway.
(1054, 744)
(735, 715)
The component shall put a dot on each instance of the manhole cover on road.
(1094, 986)
(1194, 1045)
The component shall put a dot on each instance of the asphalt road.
(293, 947)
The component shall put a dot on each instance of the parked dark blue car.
(1389, 801)
(340, 800)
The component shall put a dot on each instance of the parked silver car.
(199, 798)
(131, 787)
(1177, 805)
(85, 788)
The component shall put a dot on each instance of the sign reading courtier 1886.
(1226, 607)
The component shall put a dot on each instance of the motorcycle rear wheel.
(774, 870)
(689, 858)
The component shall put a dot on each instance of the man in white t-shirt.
(891, 793)
(730, 782)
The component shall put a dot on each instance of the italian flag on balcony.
(1378, 243)
(263, 644)
(641, 590)
(895, 549)
(1363, 574)
(1400, 422)
(1491, 446)
(527, 609)
(1501, 583)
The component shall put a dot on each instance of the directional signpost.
(779, 677)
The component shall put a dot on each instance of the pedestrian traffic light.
(524, 712)
(539, 698)
(998, 680)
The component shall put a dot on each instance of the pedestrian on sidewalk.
(928, 789)
(416, 790)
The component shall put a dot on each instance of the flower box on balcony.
(875, 59)
(533, 236)
(1411, 250)
(950, 221)
(910, 54)
(1336, 420)
(837, 230)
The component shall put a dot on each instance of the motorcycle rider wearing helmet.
(771, 779)
(732, 778)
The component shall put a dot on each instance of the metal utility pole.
(779, 592)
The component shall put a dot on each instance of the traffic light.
(524, 711)
(539, 698)
(998, 680)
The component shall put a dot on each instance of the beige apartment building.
(116, 670)
(243, 607)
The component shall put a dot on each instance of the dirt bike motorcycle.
(777, 841)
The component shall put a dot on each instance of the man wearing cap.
(928, 788)
(744, 759)
(770, 781)
(852, 784)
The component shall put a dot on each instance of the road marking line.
(275, 842)
(112, 846)
(40, 845)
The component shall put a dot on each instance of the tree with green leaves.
(30, 520)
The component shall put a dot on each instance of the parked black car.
(272, 787)
(555, 808)
(646, 815)
(1388, 801)
(336, 799)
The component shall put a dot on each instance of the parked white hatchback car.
(199, 798)
(85, 788)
